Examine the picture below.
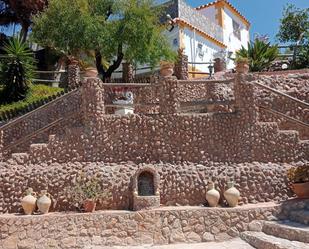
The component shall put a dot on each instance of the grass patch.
(35, 93)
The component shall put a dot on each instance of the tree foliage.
(17, 70)
(12, 11)
(116, 30)
(293, 24)
(294, 29)
(259, 53)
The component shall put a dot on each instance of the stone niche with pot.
(146, 189)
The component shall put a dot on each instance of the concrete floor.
(231, 244)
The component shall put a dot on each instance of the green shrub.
(259, 53)
(17, 70)
(35, 93)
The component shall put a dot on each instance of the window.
(236, 30)
(200, 51)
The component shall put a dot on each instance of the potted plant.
(166, 68)
(242, 64)
(299, 178)
(85, 192)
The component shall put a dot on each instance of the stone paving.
(236, 243)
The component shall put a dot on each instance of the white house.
(213, 30)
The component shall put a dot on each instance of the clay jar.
(29, 202)
(232, 195)
(44, 202)
(166, 69)
(212, 195)
(91, 72)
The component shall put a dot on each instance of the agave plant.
(17, 70)
(260, 55)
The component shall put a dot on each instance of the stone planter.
(242, 67)
(231, 195)
(91, 72)
(89, 206)
(212, 195)
(29, 202)
(145, 202)
(44, 202)
(301, 190)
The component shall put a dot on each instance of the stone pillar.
(73, 75)
(219, 65)
(168, 100)
(92, 100)
(127, 72)
(181, 66)
(1, 145)
(245, 99)
(247, 109)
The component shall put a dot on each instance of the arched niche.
(146, 182)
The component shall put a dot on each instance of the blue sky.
(264, 15)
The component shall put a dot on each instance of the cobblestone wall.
(180, 184)
(76, 231)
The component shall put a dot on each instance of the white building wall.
(230, 39)
(210, 12)
(206, 53)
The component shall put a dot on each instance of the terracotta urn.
(301, 190)
(166, 69)
(44, 202)
(89, 206)
(29, 202)
(231, 195)
(72, 60)
(242, 67)
(212, 195)
(91, 72)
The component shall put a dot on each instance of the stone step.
(287, 230)
(290, 134)
(301, 216)
(260, 240)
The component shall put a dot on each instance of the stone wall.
(295, 85)
(169, 136)
(162, 226)
(180, 184)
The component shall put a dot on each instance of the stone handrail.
(192, 82)
(282, 94)
(284, 116)
(41, 117)
(21, 118)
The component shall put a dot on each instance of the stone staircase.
(291, 231)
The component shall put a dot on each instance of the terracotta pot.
(89, 206)
(91, 72)
(242, 67)
(44, 202)
(29, 202)
(301, 190)
(231, 195)
(212, 195)
(73, 60)
(167, 70)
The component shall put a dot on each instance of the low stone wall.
(160, 226)
(180, 184)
